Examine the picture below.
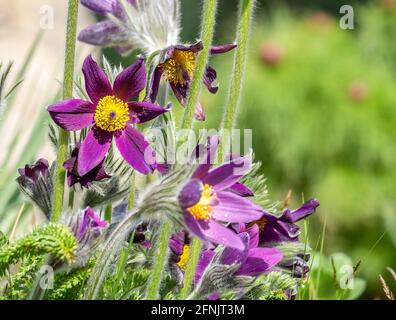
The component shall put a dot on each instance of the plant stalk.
(63, 139)
(192, 263)
(231, 107)
(207, 31)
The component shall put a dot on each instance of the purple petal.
(222, 48)
(177, 242)
(145, 111)
(102, 7)
(232, 255)
(206, 156)
(33, 172)
(196, 47)
(190, 194)
(229, 173)
(180, 92)
(97, 84)
(260, 260)
(155, 83)
(253, 232)
(101, 34)
(241, 189)
(130, 81)
(93, 150)
(204, 260)
(193, 225)
(234, 208)
(72, 114)
(90, 220)
(135, 149)
(209, 77)
(219, 234)
(305, 210)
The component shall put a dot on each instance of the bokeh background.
(321, 102)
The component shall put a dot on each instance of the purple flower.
(111, 114)
(36, 182)
(88, 224)
(207, 200)
(252, 259)
(178, 67)
(33, 172)
(96, 174)
(279, 229)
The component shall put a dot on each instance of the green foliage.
(54, 239)
(21, 283)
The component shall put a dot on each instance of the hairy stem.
(231, 107)
(207, 30)
(63, 138)
(159, 262)
(192, 263)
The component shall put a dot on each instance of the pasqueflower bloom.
(178, 65)
(96, 174)
(252, 259)
(111, 114)
(87, 227)
(206, 200)
(284, 228)
(36, 182)
(144, 25)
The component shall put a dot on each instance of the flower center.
(112, 114)
(180, 64)
(204, 208)
(260, 224)
(184, 257)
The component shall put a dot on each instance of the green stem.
(160, 259)
(192, 263)
(207, 30)
(108, 212)
(63, 139)
(231, 106)
(131, 198)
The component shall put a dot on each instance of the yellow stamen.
(184, 257)
(112, 114)
(204, 208)
(181, 62)
(260, 223)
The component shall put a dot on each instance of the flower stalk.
(159, 262)
(233, 99)
(192, 263)
(207, 31)
(63, 138)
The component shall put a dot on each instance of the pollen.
(181, 63)
(260, 224)
(184, 257)
(112, 114)
(204, 208)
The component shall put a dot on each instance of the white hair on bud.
(150, 25)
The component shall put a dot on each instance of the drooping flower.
(36, 182)
(143, 25)
(178, 65)
(110, 114)
(96, 174)
(284, 228)
(207, 200)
